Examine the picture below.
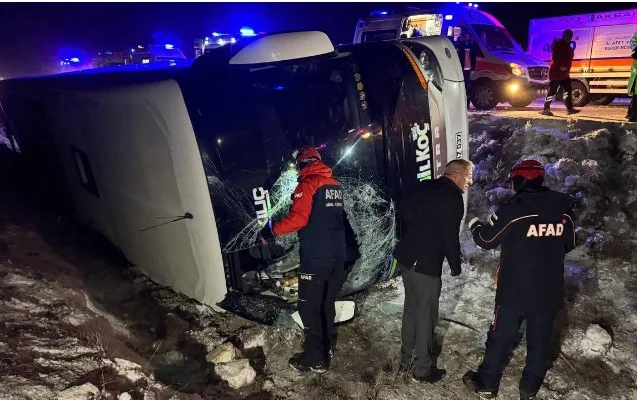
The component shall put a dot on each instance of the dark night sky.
(33, 36)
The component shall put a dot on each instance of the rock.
(237, 373)
(175, 326)
(128, 369)
(253, 338)
(124, 396)
(596, 342)
(224, 353)
(149, 396)
(268, 385)
(87, 391)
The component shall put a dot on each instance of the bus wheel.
(604, 100)
(581, 97)
(484, 95)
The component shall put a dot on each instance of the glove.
(266, 234)
(456, 272)
(473, 222)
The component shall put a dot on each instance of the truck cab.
(503, 71)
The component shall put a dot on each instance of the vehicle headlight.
(517, 69)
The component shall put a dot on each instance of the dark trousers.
(568, 93)
(502, 337)
(632, 108)
(317, 295)
(420, 317)
(467, 84)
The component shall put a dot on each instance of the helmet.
(307, 154)
(528, 169)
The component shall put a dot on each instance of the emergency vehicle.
(178, 164)
(601, 42)
(504, 72)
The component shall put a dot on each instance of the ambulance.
(601, 41)
(504, 72)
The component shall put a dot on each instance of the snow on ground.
(75, 321)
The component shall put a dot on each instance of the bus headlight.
(517, 69)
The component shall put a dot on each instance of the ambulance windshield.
(495, 38)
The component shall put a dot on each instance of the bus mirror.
(284, 46)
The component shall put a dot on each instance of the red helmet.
(307, 154)
(528, 169)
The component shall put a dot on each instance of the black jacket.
(430, 223)
(536, 230)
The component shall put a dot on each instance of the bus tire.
(581, 97)
(484, 95)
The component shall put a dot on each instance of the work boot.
(546, 112)
(299, 364)
(434, 376)
(470, 380)
(572, 111)
(526, 395)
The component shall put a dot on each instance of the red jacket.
(562, 58)
(317, 214)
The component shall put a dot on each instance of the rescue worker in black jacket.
(535, 229)
(431, 217)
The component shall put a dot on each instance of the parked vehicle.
(601, 41)
(504, 72)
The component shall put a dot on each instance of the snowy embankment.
(74, 324)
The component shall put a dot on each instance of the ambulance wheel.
(522, 100)
(484, 95)
(603, 100)
(581, 97)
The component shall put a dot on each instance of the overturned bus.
(180, 164)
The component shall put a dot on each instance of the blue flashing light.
(475, 6)
(279, 87)
(75, 60)
(132, 50)
(245, 31)
(233, 40)
(169, 46)
(379, 12)
(215, 34)
(448, 17)
(206, 38)
(221, 42)
(470, 4)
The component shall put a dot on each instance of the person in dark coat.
(430, 218)
(559, 73)
(317, 214)
(468, 53)
(535, 231)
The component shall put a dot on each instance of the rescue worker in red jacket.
(535, 229)
(559, 73)
(317, 214)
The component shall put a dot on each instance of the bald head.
(460, 172)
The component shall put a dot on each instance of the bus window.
(376, 36)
